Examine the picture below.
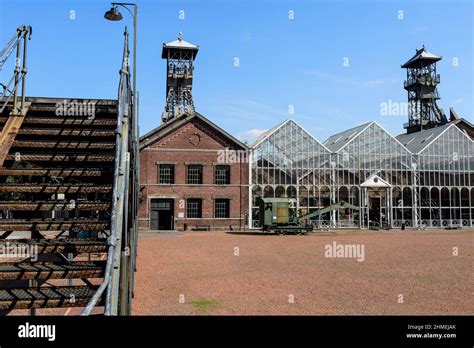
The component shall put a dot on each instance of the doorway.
(162, 214)
(374, 211)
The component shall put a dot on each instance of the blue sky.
(283, 62)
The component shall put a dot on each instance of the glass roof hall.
(289, 145)
(417, 141)
(337, 141)
(424, 178)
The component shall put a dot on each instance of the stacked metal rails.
(68, 201)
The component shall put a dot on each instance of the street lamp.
(114, 15)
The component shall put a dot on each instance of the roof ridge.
(149, 138)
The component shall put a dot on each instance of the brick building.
(194, 175)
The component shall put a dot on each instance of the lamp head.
(113, 14)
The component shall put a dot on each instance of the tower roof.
(181, 44)
(422, 58)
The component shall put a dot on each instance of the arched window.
(291, 192)
(303, 196)
(279, 192)
(313, 196)
(424, 197)
(354, 197)
(397, 197)
(325, 196)
(344, 194)
(256, 194)
(465, 197)
(455, 197)
(268, 192)
(455, 204)
(407, 199)
(435, 200)
(445, 197)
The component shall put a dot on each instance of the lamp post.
(114, 15)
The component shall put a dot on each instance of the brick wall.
(195, 142)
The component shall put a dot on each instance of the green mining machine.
(280, 215)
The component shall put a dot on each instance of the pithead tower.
(180, 56)
(421, 84)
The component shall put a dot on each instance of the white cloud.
(250, 135)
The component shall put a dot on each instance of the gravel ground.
(200, 274)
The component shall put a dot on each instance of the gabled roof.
(465, 126)
(338, 141)
(275, 129)
(179, 43)
(375, 181)
(418, 141)
(421, 58)
(176, 122)
(267, 133)
(288, 142)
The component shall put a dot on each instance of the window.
(166, 174)
(195, 174)
(222, 175)
(221, 208)
(194, 208)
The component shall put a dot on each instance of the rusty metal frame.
(22, 35)
(18, 42)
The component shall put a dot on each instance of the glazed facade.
(424, 179)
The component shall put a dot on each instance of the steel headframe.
(10, 90)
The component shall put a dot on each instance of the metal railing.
(10, 90)
(121, 256)
(423, 80)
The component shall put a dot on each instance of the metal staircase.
(68, 194)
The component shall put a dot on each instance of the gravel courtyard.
(402, 272)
